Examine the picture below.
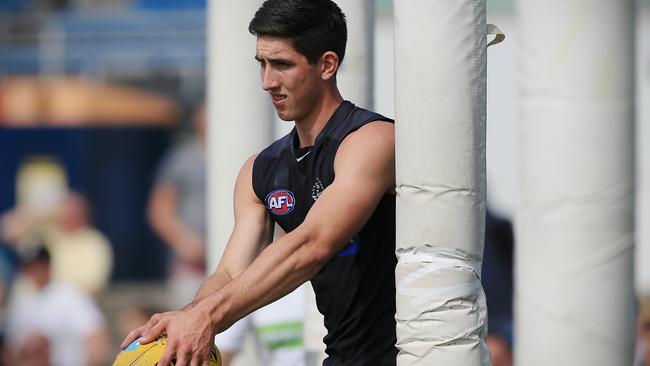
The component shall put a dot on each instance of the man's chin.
(284, 116)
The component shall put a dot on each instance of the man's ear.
(329, 65)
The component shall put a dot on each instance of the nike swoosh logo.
(304, 156)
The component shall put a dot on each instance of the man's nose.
(269, 79)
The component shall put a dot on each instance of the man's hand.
(189, 336)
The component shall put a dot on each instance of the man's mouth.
(278, 99)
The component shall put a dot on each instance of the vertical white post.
(239, 112)
(642, 254)
(575, 229)
(355, 79)
(440, 84)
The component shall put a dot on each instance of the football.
(149, 354)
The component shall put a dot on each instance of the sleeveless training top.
(355, 290)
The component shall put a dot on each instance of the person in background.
(67, 319)
(278, 329)
(81, 254)
(497, 282)
(279, 333)
(177, 211)
(34, 351)
(643, 334)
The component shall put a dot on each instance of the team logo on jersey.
(317, 189)
(280, 201)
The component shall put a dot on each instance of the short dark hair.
(32, 253)
(314, 26)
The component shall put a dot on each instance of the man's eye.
(282, 65)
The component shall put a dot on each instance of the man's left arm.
(365, 171)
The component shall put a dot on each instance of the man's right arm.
(252, 232)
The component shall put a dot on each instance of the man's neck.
(309, 127)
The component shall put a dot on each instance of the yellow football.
(149, 354)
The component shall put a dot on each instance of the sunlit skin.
(251, 272)
(301, 92)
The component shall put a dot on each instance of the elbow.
(316, 253)
(319, 257)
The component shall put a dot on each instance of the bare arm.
(97, 347)
(252, 232)
(163, 217)
(365, 158)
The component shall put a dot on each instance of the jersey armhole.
(256, 177)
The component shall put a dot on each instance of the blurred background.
(100, 111)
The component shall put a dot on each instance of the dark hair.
(36, 252)
(314, 26)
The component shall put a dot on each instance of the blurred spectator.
(177, 211)
(497, 283)
(279, 330)
(81, 255)
(8, 268)
(34, 351)
(67, 319)
(41, 185)
(45, 208)
(643, 344)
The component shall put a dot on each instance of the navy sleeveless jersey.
(355, 290)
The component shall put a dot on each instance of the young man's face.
(294, 85)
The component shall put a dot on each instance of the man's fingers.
(132, 336)
(198, 360)
(169, 354)
(138, 332)
(151, 333)
(183, 356)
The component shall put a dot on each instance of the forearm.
(166, 221)
(96, 348)
(278, 270)
(211, 284)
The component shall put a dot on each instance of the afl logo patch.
(280, 201)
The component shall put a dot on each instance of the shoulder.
(370, 148)
(377, 132)
(276, 148)
(365, 116)
(266, 161)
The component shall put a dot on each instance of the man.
(67, 319)
(176, 211)
(328, 184)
